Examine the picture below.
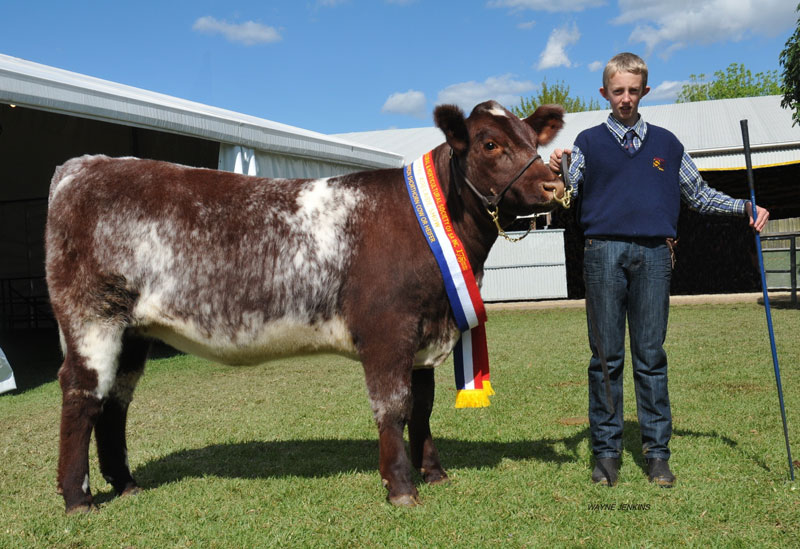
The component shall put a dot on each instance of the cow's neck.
(470, 219)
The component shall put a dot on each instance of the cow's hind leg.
(112, 449)
(424, 455)
(86, 377)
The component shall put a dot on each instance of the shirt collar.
(619, 130)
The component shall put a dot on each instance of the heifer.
(240, 269)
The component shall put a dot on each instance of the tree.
(735, 81)
(557, 93)
(790, 61)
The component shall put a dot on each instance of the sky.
(336, 66)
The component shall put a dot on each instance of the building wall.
(32, 144)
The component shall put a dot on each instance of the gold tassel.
(487, 388)
(472, 398)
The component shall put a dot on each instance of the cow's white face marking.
(497, 111)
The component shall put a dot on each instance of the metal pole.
(750, 183)
(793, 267)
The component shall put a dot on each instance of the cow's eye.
(490, 146)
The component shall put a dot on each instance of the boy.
(631, 176)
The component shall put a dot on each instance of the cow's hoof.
(131, 490)
(436, 476)
(404, 500)
(81, 509)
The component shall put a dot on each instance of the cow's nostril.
(556, 186)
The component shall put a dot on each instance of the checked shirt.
(694, 190)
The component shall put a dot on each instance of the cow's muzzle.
(561, 195)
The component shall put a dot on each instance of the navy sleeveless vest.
(630, 194)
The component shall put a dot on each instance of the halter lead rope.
(492, 203)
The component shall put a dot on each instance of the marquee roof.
(47, 88)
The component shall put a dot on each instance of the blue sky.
(355, 65)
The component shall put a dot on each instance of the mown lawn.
(285, 454)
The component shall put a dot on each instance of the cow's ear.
(547, 121)
(450, 119)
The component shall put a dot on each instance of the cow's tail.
(66, 173)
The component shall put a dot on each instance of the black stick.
(750, 183)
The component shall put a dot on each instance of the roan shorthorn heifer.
(240, 270)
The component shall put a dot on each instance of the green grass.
(285, 454)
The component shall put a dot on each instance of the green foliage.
(790, 61)
(735, 81)
(558, 93)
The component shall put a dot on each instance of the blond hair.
(625, 62)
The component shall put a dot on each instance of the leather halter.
(491, 202)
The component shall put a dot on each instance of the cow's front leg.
(424, 455)
(389, 389)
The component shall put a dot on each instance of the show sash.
(470, 354)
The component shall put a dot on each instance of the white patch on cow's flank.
(152, 248)
(322, 213)
(85, 485)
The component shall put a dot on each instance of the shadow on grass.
(631, 441)
(35, 355)
(329, 457)
(780, 304)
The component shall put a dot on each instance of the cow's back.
(226, 266)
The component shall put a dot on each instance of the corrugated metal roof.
(47, 88)
(709, 130)
(409, 143)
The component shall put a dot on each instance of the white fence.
(533, 268)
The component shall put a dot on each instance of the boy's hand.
(761, 218)
(555, 159)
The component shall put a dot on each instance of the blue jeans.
(628, 277)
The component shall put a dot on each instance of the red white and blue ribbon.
(470, 354)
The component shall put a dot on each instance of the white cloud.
(595, 66)
(526, 25)
(668, 26)
(555, 53)
(503, 89)
(411, 103)
(666, 92)
(547, 5)
(248, 33)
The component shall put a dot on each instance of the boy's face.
(624, 92)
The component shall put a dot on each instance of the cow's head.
(493, 146)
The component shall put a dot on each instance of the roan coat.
(240, 270)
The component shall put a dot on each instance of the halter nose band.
(489, 202)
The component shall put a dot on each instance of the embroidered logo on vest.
(659, 163)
